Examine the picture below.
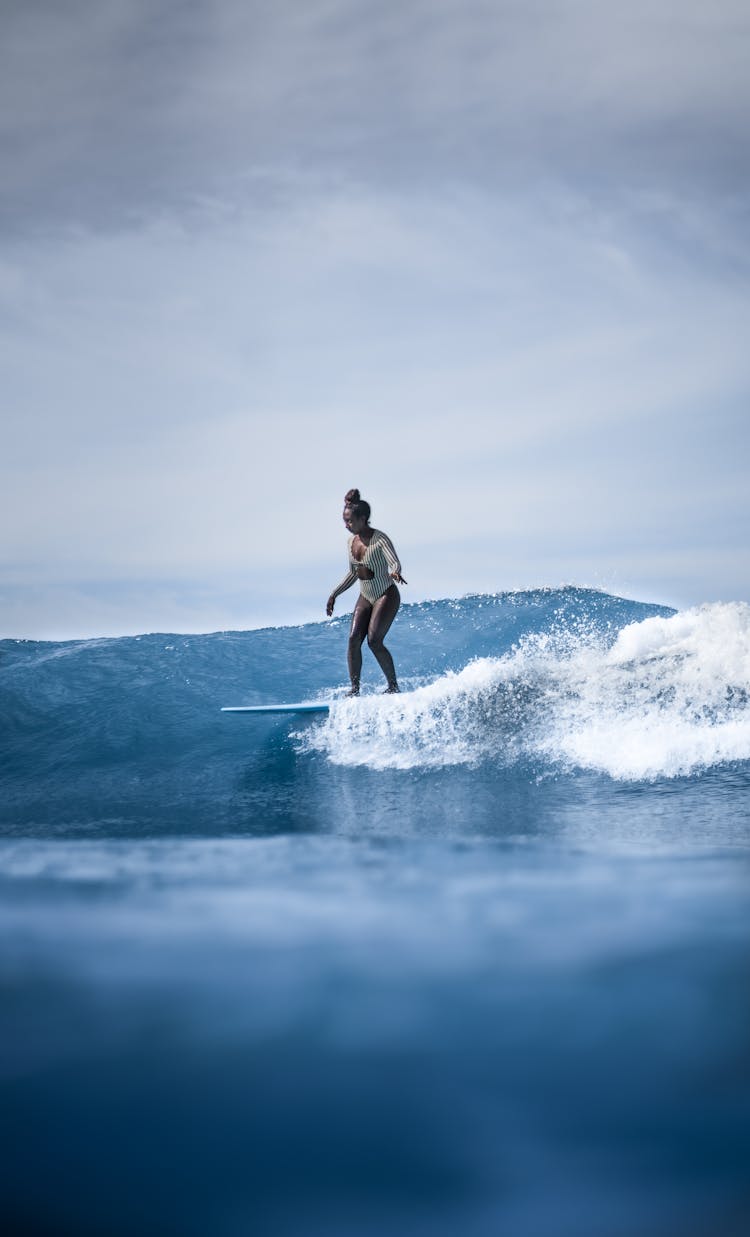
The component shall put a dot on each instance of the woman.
(374, 562)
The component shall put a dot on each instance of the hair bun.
(351, 496)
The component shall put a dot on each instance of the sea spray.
(666, 697)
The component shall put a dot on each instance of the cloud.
(112, 110)
(441, 354)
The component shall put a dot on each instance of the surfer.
(374, 562)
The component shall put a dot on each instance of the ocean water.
(474, 959)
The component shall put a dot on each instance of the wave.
(668, 697)
(125, 737)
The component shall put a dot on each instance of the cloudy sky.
(486, 260)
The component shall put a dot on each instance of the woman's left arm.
(391, 557)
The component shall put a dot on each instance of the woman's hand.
(330, 605)
(396, 575)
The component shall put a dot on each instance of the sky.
(485, 260)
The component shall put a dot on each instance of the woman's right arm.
(346, 583)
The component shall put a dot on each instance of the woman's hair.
(357, 505)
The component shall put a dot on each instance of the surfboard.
(302, 706)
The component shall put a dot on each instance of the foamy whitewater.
(472, 959)
(669, 698)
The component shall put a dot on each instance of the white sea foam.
(669, 698)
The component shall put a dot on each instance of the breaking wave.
(668, 698)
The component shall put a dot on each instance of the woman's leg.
(357, 633)
(383, 613)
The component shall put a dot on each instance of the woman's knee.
(374, 643)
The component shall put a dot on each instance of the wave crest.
(667, 697)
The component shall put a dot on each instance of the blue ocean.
(473, 959)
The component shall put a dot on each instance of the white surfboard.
(302, 706)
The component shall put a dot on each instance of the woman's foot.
(391, 689)
(353, 691)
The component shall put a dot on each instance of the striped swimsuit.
(381, 558)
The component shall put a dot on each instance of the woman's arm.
(346, 583)
(391, 558)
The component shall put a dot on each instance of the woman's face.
(354, 523)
